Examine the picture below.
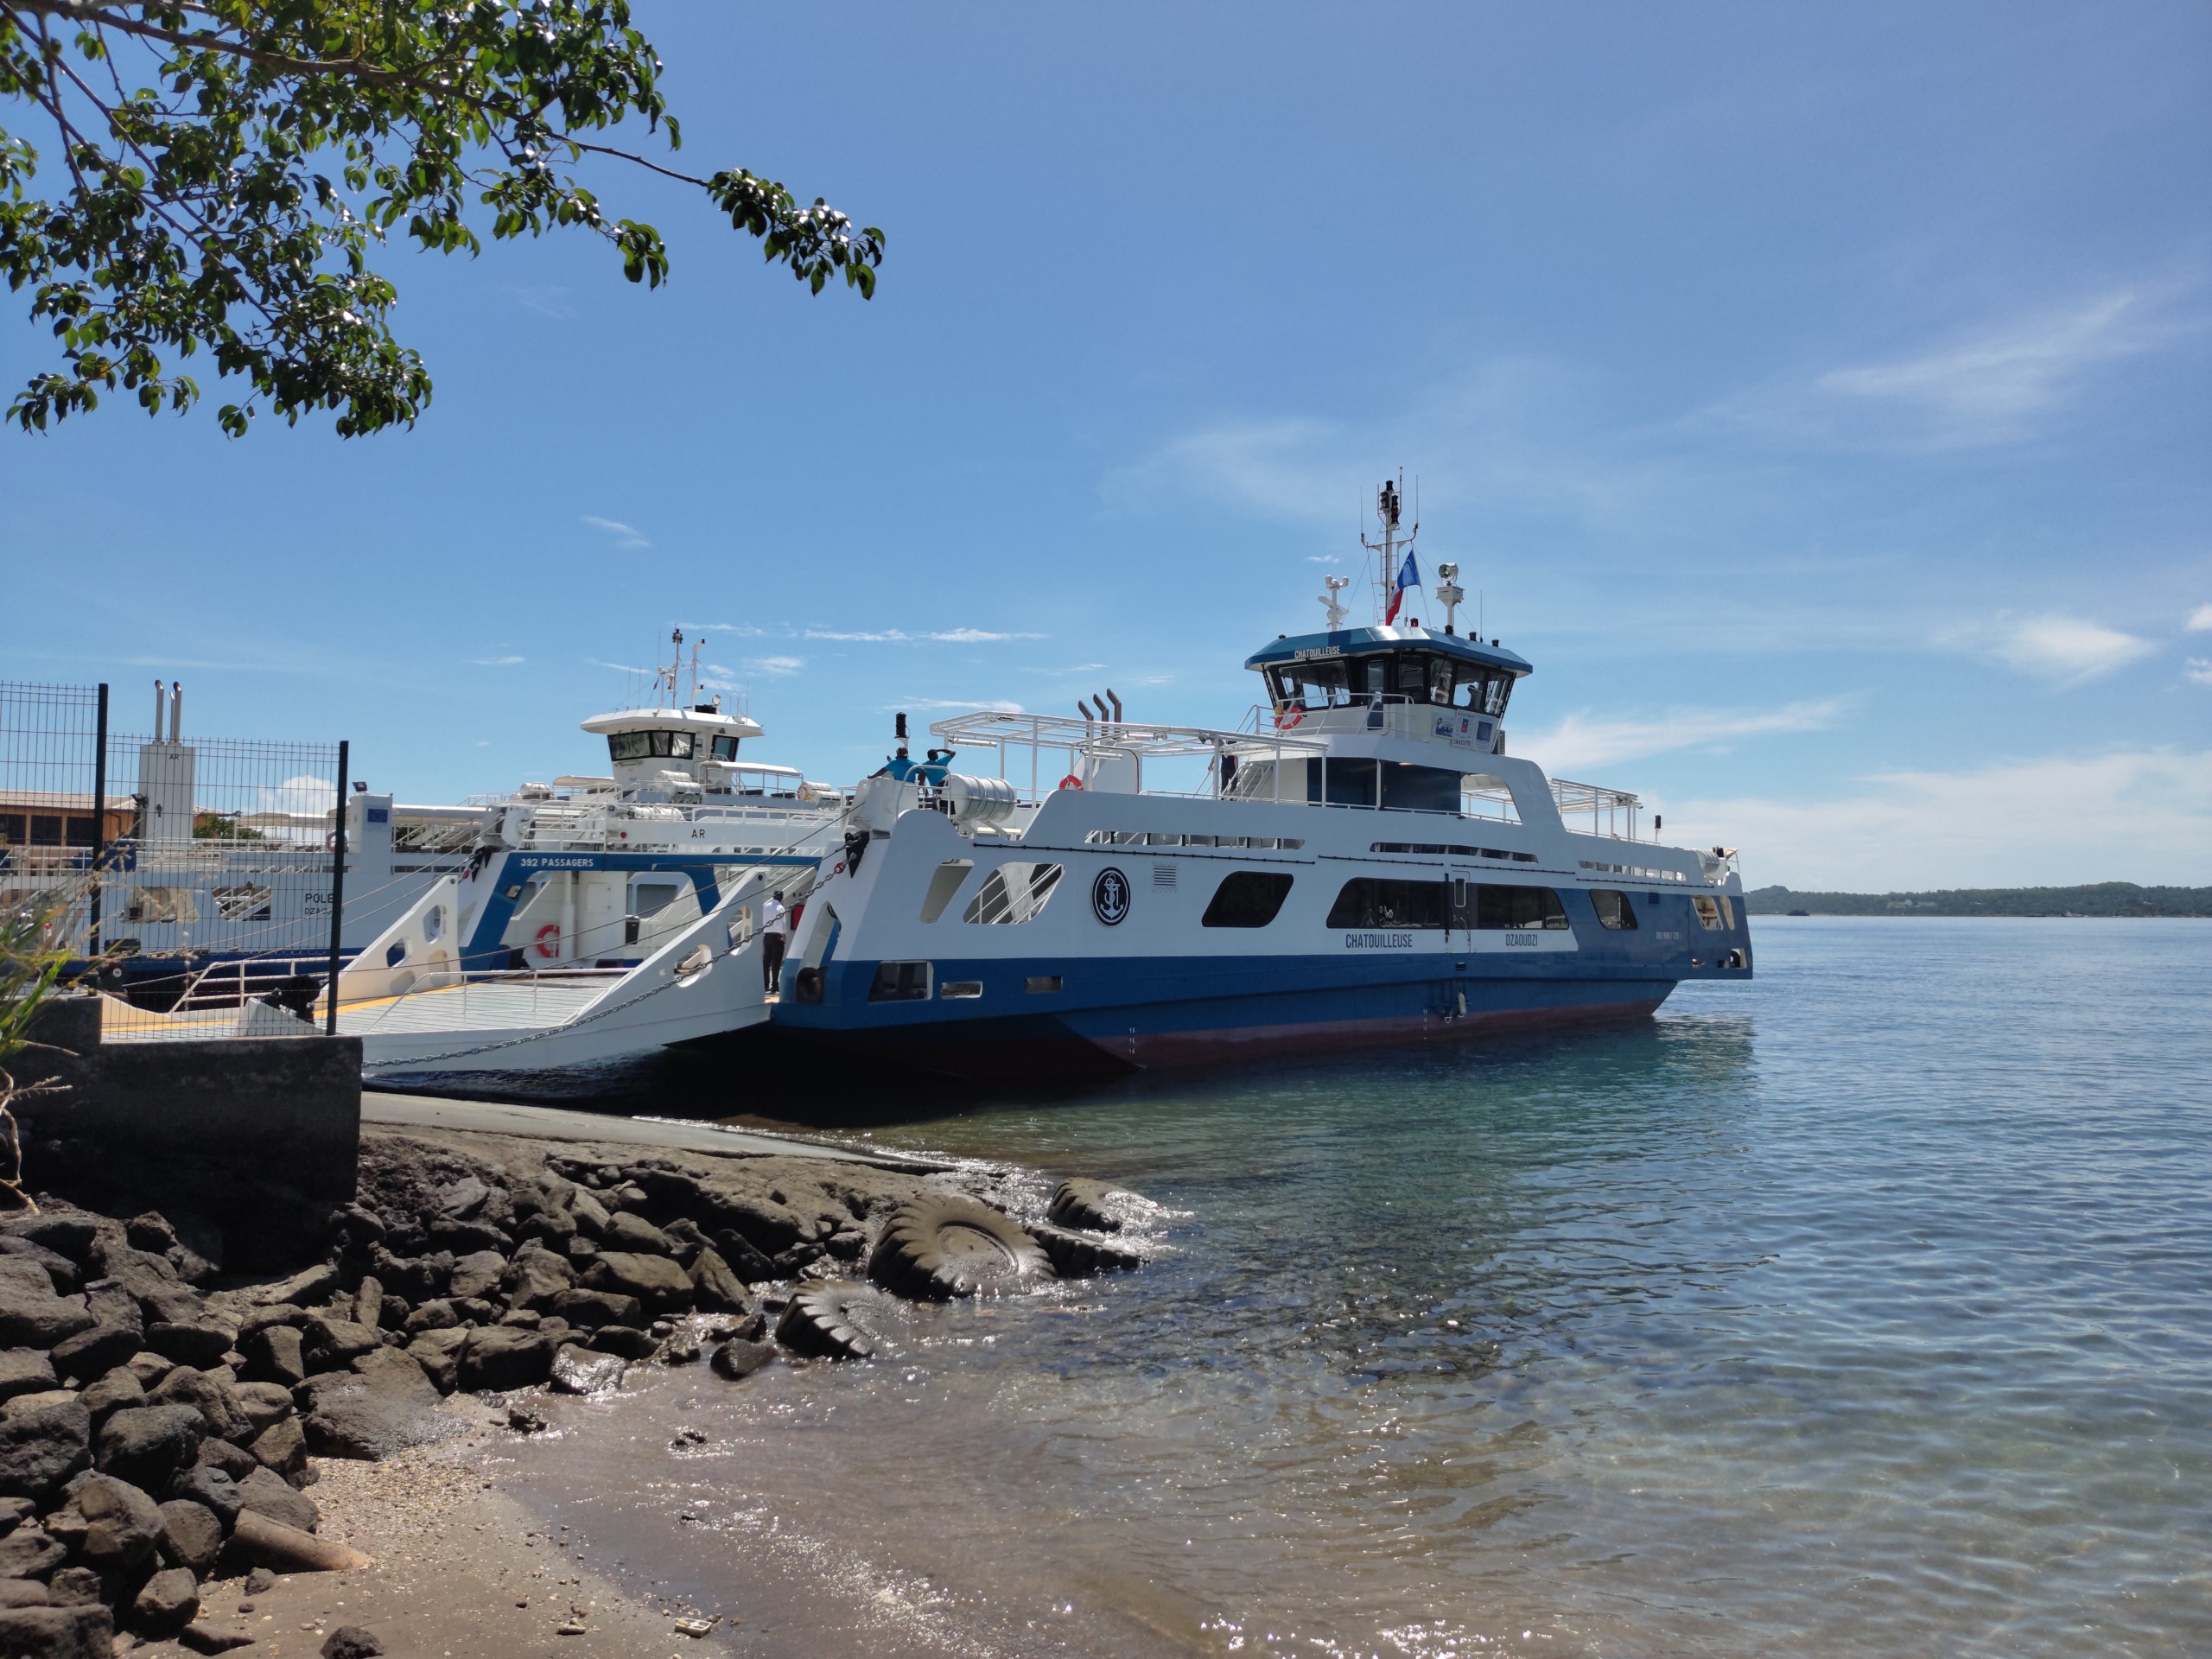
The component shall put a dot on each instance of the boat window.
(1350, 782)
(1714, 911)
(1154, 838)
(900, 982)
(1013, 892)
(961, 988)
(1321, 685)
(1614, 909)
(1518, 909)
(1374, 901)
(1409, 788)
(1413, 673)
(943, 884)
(629, 746)
(162, 904)
(724, 749)
(1040, 984)
(1440, 679)
(1377, 676)
(1246, 899)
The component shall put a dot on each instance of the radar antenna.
(1336, 613)
(1451, 596)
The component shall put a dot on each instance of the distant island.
(2098, 899)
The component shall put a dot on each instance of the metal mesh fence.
(188, 874)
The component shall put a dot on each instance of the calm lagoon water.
(1864, 1309)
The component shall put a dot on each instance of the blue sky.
(1818, 398)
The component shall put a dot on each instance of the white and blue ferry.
(1362, 861)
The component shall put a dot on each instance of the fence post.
(99, 822)
(337, 884)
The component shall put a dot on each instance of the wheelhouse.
(1371, 667)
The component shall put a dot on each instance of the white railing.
(1613, 812)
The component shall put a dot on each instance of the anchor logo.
(1110, 897)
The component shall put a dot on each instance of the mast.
(1389, 509)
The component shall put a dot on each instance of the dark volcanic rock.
(351, 1641)
(384, 1405)
(262, 1403)
(31, 1315)
(275, 1354)
(75, 1586)
(686, 1240)
(208, 1396)
(210, 1488)
(233, 1461)
(96, 1350)
(60, 1272)
(112, 1392)
(625, 1340)
(746, 1262)
(168, 1602)
(25, 1371)
(28, 1553)
(436, 1314)
(200, 1345)
(22, 1593)
(536, 1277)
(655, 1280)
(477, 1274)
(504, 1357)
(739, 1358)
(152, 1281)
(592, 1308)
(145, 1445)
(85, 1632)
(578, 1371)
(334, 1345)
(438, 1352)
(266, 1492)
(122, 1526)
(44, 1440)
(284, 1447)
(418, 1278)
(635, 1233)
(65, 1233)
(715, 1287)
(195, 1535)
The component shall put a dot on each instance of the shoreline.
(502, 1269)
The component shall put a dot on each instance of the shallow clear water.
(1865, 1308)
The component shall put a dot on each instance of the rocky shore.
(164, 1424)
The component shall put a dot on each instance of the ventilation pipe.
(160, 697)
(1116, 702)
(176, 711)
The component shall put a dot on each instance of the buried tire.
(1078, 1255)
(1082, 1203)
(935, 1248)
(839, 1320)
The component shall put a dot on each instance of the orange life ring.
(1071, 782)
(550, 930)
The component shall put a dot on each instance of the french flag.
(1409, 576)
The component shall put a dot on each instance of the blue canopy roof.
(1368, 642)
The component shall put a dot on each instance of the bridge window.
(1374, 901)
(1614, 909)
(1246, 899)
(1518, 909)
(724, 749)
(648, 746)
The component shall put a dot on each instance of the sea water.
(1865, 1308)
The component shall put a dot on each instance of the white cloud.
(1999, 383)
(626, 537)
(1580, 742)
(2200, 620)
(619, 668)
(978, 705)
(2197, 671)
(548, 301)
(2068, 649)
(2141, 815)
(778, 665)
(499, 662)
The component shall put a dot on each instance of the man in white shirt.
(775, 931)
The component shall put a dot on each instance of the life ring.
(1286, 718)
(1071, 782)
(550, 930)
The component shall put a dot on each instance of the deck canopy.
(1320, 670)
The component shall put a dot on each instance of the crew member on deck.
(775, 928)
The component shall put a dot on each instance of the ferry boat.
(1360, 861)
(517, 948)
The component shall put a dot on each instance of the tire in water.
(933, 1250)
